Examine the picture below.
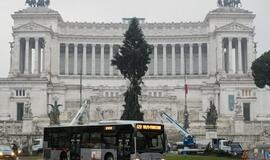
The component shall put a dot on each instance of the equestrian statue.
(37, 3)
(229, 3)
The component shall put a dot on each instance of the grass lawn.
(169, 157)
(189, 157)
(31, 158)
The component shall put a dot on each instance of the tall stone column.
(17, 55)
(75, 72)
(191, 59)
(26, 63)
(207, 58)
(84, 58)
(240, 70)
(12, 58)
(173, 59)
(93, 59)
(111, 57)
(102, 59)
(230, 56)
(43, 61)
(220, 61)
(250, 54)
(118, 50)
(67, 59)
(36, 71)
(200, 58)
(182, 59)
(155, 60)
(164, 48)
(45, 58)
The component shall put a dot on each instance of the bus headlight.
(19, 151)
(12, 154)
(1, 153)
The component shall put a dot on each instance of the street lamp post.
(186, 114)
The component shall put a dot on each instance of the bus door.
(75, 146)
(124, 146)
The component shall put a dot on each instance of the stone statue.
(47, 2)
(31, 3)
(230, 3)
(27, 110)
(54, 114)
(212, 116)
(237, 3)
(38, 3)
(220, 3)
(238, 109)
(226, 3)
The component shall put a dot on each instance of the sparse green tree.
(132, 60)
(211, 116)
(54, 113)
(261, 70)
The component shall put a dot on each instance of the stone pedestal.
(210, 132)
(27, 127)
(239, 124)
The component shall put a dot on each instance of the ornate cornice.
(227, 12)
(32, 27)
(118, 29)
(38, 12)
(234, 27)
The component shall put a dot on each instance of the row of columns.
(155, 46)
(240, 47)
(93, 63)
(27, 48)
(182, 58)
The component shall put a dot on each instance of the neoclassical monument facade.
(48, 56)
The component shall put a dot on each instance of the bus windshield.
(149, 141)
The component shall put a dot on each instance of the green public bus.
(106, 140)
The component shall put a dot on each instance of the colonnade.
(95, 59)
(234, 55)
(86, 58)
(31, 55)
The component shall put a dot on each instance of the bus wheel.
(63, 156)
(109, 157)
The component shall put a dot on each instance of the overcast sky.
(115, 10)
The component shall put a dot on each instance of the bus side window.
(95, 140)
(85, 142)
(109, 142)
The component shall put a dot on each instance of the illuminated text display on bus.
(109, 128)
(148, 127)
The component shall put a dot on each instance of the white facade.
(48, 55)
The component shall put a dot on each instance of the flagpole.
(186, 115)
(80, 119)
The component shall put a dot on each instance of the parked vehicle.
(227, 146)
(236, 149)
(37, 146)
(6, 153)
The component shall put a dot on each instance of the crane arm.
(79, 114)
(183, 131)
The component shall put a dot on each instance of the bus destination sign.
(109, 128)
(148, 127)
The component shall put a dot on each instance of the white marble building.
(48, 54)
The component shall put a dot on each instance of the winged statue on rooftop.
(37, 3)
(230, 3)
